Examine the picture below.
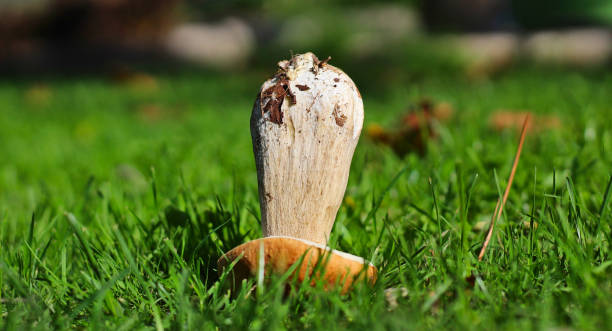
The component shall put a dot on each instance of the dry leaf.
(134, 80)
(151, 112)
(416, 128)
(507, 119)
(38, 95)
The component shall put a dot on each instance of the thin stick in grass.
(499, 207)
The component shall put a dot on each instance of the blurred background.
(409, 37)
(134, 115)
(97, 90)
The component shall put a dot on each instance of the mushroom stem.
(305, 125)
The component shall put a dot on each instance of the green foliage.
(116, 202)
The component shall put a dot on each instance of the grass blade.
(99, 293)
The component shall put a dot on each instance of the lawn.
(117, 198)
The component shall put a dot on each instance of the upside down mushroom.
(305, 124)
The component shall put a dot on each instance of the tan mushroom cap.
(280, 253)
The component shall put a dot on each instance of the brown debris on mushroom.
(272, 98)
(339, 117)
(318, 64)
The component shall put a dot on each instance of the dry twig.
(500, 204)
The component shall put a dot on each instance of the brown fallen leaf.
(508, 119)
(134, 80)
(38, 95)
(416, 127)
(151, 112)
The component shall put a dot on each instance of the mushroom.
(305, 124)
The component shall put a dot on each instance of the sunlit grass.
(116, 201)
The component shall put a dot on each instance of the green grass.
(115, 203)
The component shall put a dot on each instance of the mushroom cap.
(333, 267)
